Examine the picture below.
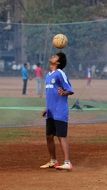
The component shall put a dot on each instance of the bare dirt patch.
(12, 87)
(20, 161)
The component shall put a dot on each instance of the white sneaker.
(51, 164)
(65, 166)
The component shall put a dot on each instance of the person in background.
(39, 79)
(76, 105)
(25, 76)
(89, 77)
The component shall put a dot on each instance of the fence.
(33, 43)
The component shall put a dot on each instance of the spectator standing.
(89, 77)
(25, 76)
(39, 79)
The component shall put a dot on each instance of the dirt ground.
(20, 161)
(12, 87)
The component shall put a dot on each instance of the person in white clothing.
(89, 77)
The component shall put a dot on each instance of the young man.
(39, 80)
(89, 78)
(57, 90)
(25, 76)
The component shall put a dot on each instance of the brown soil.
(20, 161)
(12, 87)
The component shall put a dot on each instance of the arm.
(44, 113)
(62, 92)
(65, 88)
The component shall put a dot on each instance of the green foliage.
(3, 15)
(53, 11)
(85, 42)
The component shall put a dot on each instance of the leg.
(38, 86)
(64, 145)
(90, 82)
(61, 133)
(62, 137)
(51, 146)
(50, 132)
(41, 87)
(24, 86)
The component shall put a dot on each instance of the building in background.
(11, 43)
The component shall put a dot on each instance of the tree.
(93, 2)
(3, 14)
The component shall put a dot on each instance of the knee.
(49, 139)
(59, 138)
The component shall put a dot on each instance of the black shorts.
(56, 128)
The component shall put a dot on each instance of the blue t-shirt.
(57, 105)
(24, 73)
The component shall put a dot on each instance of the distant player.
(39, 79)
(89, 77)
(25, 77)
(57, 90)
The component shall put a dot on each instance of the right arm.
(44, 113)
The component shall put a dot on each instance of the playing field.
(23, 149)
(18, 110)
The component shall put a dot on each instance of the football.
(60, 41)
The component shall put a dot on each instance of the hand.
(62, 92)
(44, 113)
(30, 78)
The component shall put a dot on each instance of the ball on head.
(60, 41)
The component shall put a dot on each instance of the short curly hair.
(62, 60)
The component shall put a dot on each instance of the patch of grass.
(8, 134)
(11, 135)
(97, 140)
(96, 104)
(22, 102)
(20, 117)
(14, 118)
(17, 117)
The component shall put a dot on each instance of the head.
(38, 64)
(58, 61)
(25, 65)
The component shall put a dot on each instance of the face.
(53, 62)
(54, 59)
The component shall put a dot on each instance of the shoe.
(65, 166)
(51, 164)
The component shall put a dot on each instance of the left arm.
(62, 92)
(65, 88)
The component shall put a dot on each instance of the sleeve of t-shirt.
(65, 84)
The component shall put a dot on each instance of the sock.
(67, 162)
(53, 160)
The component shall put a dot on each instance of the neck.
(53, 70)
